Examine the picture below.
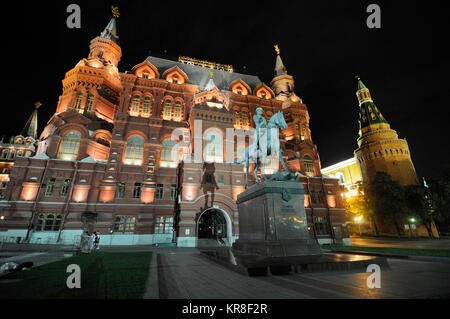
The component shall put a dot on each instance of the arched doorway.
(212, 225)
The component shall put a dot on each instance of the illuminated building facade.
(121, 154)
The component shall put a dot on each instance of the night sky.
(324, 44)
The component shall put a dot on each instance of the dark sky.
(324, 44)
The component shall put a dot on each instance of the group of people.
(94, 241)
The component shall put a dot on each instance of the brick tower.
(379, 148)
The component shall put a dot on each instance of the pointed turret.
(282, 83)
(369, 113)
(31, 127)
(108, 50)
(280, 69)
(110, 31)
(210, 85)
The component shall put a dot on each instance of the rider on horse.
(260, 122)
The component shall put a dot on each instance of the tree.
(387, 198)
(417, 205)
(439, 192)
(361, 206)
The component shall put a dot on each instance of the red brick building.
(144, 156)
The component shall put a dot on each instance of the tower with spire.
(379, 148)
(96, 78)
(282, 83)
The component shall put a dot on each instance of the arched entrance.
(212, 225)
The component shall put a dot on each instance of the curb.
(417, 258)
(152, 288)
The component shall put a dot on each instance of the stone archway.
(214, 228)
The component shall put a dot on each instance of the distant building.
(347, 172)
(18, 146)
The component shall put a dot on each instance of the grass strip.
(103, 276)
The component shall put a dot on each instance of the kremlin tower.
(379, 148)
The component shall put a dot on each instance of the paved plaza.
(193, 275)
(187, 273)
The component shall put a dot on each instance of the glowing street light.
(358, 221)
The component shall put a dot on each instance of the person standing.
(97, 240)
(91, 242)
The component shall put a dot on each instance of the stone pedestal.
(273, 223)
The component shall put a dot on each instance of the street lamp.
(412, 220)
(358, 221)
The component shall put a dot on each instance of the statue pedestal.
(273, 223)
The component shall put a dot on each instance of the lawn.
(103, 276)
(394, 251)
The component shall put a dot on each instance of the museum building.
(141, 156)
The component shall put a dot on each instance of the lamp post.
(358, 221)
(411, 220)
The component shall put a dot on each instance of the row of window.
(10, 154)
(300, 131)
(79, 101)
(120, 193)
(51, 185)
(159, 192)
(122, 224)
(134, 152)
(317, 197)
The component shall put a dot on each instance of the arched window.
(309, 165)
(169, 154)
(135, 150)
(177, 111)
(297, 130)
(167, 110)
(135, 105)
(214, 148)
(146, 107)
(70, 143)
(303, 131)
(90, 102)
(78, 101)
(48, 222)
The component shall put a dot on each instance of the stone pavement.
(192, 275)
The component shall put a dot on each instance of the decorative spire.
(280, 69)
(210, 85)
(369, 114)
(30, 128)
(110, 31)
(360, 83)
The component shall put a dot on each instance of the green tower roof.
(369, 113)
